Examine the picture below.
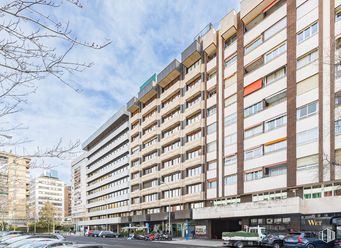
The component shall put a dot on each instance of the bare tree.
(33, 46)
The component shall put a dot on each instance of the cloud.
(146, 36)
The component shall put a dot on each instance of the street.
(124, 243)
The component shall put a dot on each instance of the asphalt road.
(124, 243)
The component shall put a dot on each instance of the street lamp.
(169, 208)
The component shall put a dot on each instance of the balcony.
(228, 25)
(191, 54)
(195, 108)
(150, 190)
(172, 137)
(170, 154)
(183, 214)
(193, 74)
(152, 204)
(135, 181)
(150, 176)
(167, 93)
(194, 126)
(193, 144)
(171, 72)
(172, 185)
(149, 135)
(135, 168)
(195, 179)
(170, 169)
(171, 106)
(272, 207)
(151, 119)
(150, 148)
(134, 130)
(148, 89)
(150, 107)
(161, 216)
(135, 193)
(209, 41)
(212, 82)
(199, 86)
(169, 123)
(135, 143)
(150, 162)
(266, 183)
(194, 197)
(135, 155)
(194, 161)
(133, 104)
(135, 118)
(251, 9)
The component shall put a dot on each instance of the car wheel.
(310, 246)
(276, 245)
(103, 236)
(239, 245)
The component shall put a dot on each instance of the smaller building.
(47, 188)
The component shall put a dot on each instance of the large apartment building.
(245, 129)
(14, 189)
(106, 163)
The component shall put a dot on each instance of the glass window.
(275, 76)
(307, 110)
(338, 16)
(212, 165)
(275, 147)
(230, 139)
(230, 119)
(212, 110)
(211, 147)
(230, 41)
(212, 128)
(230, 160)
(274, 29)
(253, 109)
(212, 185)
(275, 123)
(253, 153)
(338, 127)
(307, 33)
(254, 44)
(307, 136)
(231, 60)
(253, 131)
(307, 59)
(229, 180)
(254, 175)
(275, 52)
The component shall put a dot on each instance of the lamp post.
(169, 209)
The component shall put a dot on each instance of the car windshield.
(7, 237)
(17, 238)
(26, 242)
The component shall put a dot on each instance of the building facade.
(67, 201)
(14, 189)
(106, 163)
(78, 192)
(245, 129)
(47, 188)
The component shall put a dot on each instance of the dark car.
(305, 240)
(94, 233)
(108, 234)
(87, 246)
(273, 240)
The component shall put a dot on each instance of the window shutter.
(307, 85)
(253, 87)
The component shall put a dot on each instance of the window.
(338, 16)
(253, 131)
(172, 193)
(212, 165)
(172, 162)
(230, 41)
(230, 139)
(275, 146)
(171, 147)
(307, 33)
(212, 128)
(253, 109)
(307, 136)
(254, 175)
(192, 67)
(194, 171)
(230, 100)
(338, 127)
(307, 59)
(192, 189)
(276, 171)
(306, 7)
(194, 119)
(254, 65)
(275, 123)
(274, 29)
(307, 163)
(172, 178)
(212, 110)
(230, 160)
(307, 110)
(231, 60)
(194, 136)
(274, 76)
(253, 153)
(194, 101)
(338, 98)
(230, 119)
(254, 44)
(275, 52)
(337, 70)
(212, 185)
(211, 147)
(229, 180)
(150, 198)
(194, 154)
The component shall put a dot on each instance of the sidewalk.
(195, 242)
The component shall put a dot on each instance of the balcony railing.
(191, 54)
(133, 104)
(171, 72)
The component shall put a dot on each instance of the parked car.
(305, 240)
(49, 244)
(94, 233)
(273, 240)
(87, 246)
(24, 242)
(108, 234)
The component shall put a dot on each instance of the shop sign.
(200, 230)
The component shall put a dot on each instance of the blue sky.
(146, 35)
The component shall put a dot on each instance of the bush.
(239, 234)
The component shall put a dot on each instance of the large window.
(254, 175)
(275, 146)
(253, 131)
(254, 44)
(212, 110)
(307, 110)
(338, 127)
(230, 119)
(253, 153)
(192, 189)
(230, 41)
(231, 179)
(253, 109)
(274, 76)
(230, 139)
(307, 136)
(307, 59)
(274, 29)
(275, 52)
(275, 123)
(231, 60)
(211, 147)
(172, 193)
(172, 178)
(212, 128)
(307, 33)
(212, 184)
(230, 160)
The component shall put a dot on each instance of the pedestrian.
(193, 234)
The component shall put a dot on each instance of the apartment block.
(243, 130)
(247, 121)
(43, 189)
(106, 164)
(67, 201)
(14, 189)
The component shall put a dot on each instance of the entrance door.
(224, 225)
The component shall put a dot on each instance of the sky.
(145, 35)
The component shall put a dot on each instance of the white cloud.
(146, 36)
